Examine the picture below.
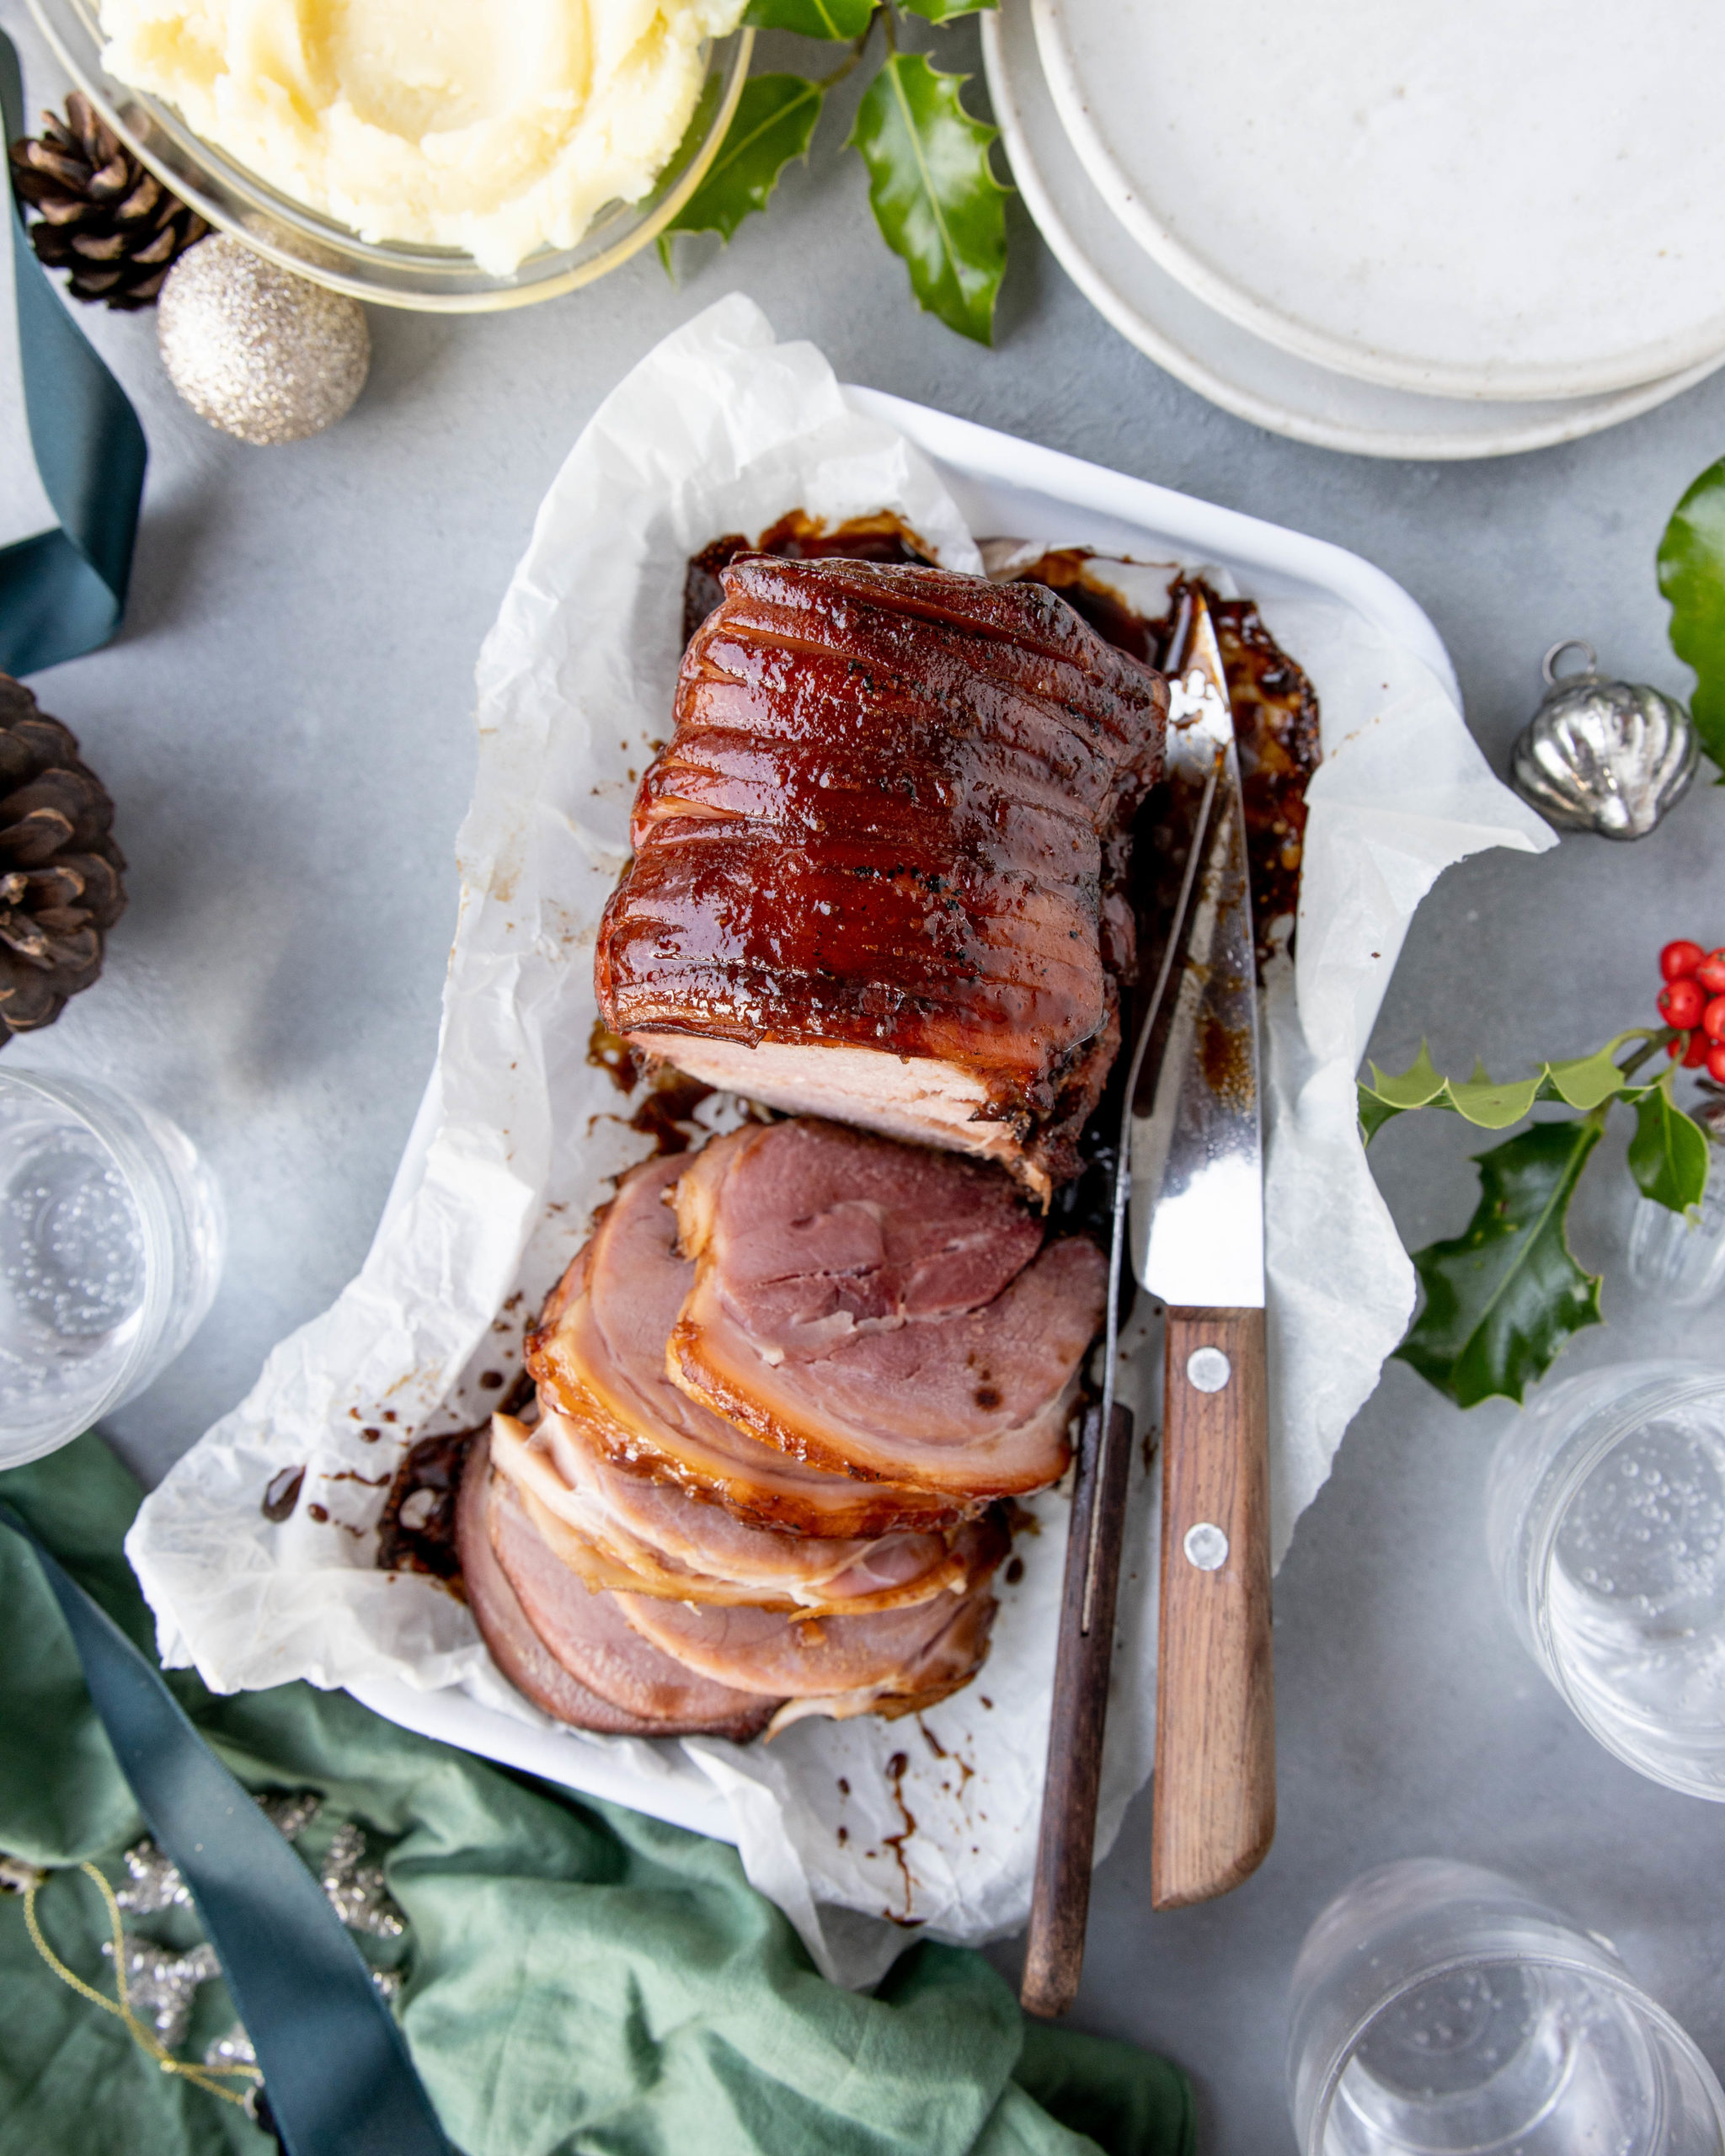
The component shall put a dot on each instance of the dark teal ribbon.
(336, 2072)
(62, 592)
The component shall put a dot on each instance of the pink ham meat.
(598, 1357)
(619, 1531)
(886, 1664)
(881, 1310)
(570, 1650)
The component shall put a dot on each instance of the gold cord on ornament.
(200, 2077)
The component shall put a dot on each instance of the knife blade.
(1197, 1213)
(1198, 726)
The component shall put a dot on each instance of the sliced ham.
(640, 1688)
(515, 1646)
(598, 1357)
(942, 1667)
(892, 1654)
(881, 1310)
(618, 1531)
(879, 869)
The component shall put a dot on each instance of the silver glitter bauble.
(260, 353)
(1604, 756)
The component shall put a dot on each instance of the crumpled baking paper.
(856, 1829)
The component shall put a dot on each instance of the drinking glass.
(1441, 2009)
(1679, 1258)
(111, 1240)
(1606, 1519)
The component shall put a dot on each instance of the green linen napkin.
(581, 1981)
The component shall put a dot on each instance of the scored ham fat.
(879, 871)
(881, 1310)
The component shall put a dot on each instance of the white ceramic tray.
(1491, 198)
(1233, 366)
(1004, 486)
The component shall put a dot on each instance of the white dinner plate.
(1228, 365)
(1488, 198)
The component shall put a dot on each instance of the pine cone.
(60, 868)
(102, 214)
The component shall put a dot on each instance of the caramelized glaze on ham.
(598, 1357)
(878, 1309)
(644, 1693)
(879, 869)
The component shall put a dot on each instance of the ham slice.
(638, 1689)
(862, 1661)
(877, 1309)
(880, 870)
(515, 1648)
(598, 1357)
(618, 1531)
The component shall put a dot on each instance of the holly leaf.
(1502, 1298)
(1692, 577)
(1584, 1081)
(773, 123)
(837, 20)
(942, 11)
(1668, 1154)
(1492, 1107)
(933, 190)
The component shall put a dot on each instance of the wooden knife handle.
(1214, 1798)
(1060, 1899)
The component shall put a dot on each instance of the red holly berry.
(1711, 971)
(1716, 1062)
(1714, 1019)
(1677, 961)
(1695, 1055)
(1683, 1002)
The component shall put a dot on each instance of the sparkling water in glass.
(1440, 2009)
(1606, 1516)
(110, 1249)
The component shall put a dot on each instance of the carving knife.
(1199, 730)
(1197, 1213)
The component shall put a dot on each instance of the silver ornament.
(162, 1984)
(255, 350)
(1604, 756)
(356, 1890)
(152, 1881)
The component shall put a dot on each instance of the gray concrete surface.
(286, 725)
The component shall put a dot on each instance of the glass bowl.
(387, 273)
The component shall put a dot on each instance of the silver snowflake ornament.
(152, 1881)
(161, 1984)
(356, 1890)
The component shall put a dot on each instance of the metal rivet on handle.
(1210, 1370)
(1206, 1546)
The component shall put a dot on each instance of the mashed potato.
(495, 126)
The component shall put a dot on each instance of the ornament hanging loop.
(1548, 664)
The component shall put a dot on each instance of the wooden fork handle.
(1213, 1807)
(1059, 1906)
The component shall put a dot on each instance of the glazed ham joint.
(879, 885)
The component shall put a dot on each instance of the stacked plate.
(1380, 226)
